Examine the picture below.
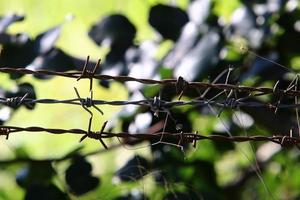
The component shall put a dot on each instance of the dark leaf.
(83, 184)
(18, 54)
(79, 166)
(133, 170)
(116, 30)
(289, 40)
(19, 51)
(167, 20)
(17, 39)
(114, 63)
(78, 176)
(45, 192)
(22, 89)
(55, 60)
(38, 173)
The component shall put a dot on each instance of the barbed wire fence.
(156, 105)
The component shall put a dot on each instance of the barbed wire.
(179, 83)
(156, 105)
(181, 137)
(227, 103)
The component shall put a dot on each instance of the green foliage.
(206, 171)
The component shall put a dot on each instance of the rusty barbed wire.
(182, 137)
(156, 105)
(227, 103)
(175, 82)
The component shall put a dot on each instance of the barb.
(181, 85)
(87, 73)
(5, 131)
(88, 102)
(15, 102)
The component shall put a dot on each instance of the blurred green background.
(42, 15)
(74, 40)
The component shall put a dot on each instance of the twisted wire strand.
(232, 103)
(220, 86)
(187, 137)
(228, 103)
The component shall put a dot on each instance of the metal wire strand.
(185, 137)
(203, 85)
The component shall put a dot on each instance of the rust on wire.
(220, 86)
(183, 137)
(156, 105)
